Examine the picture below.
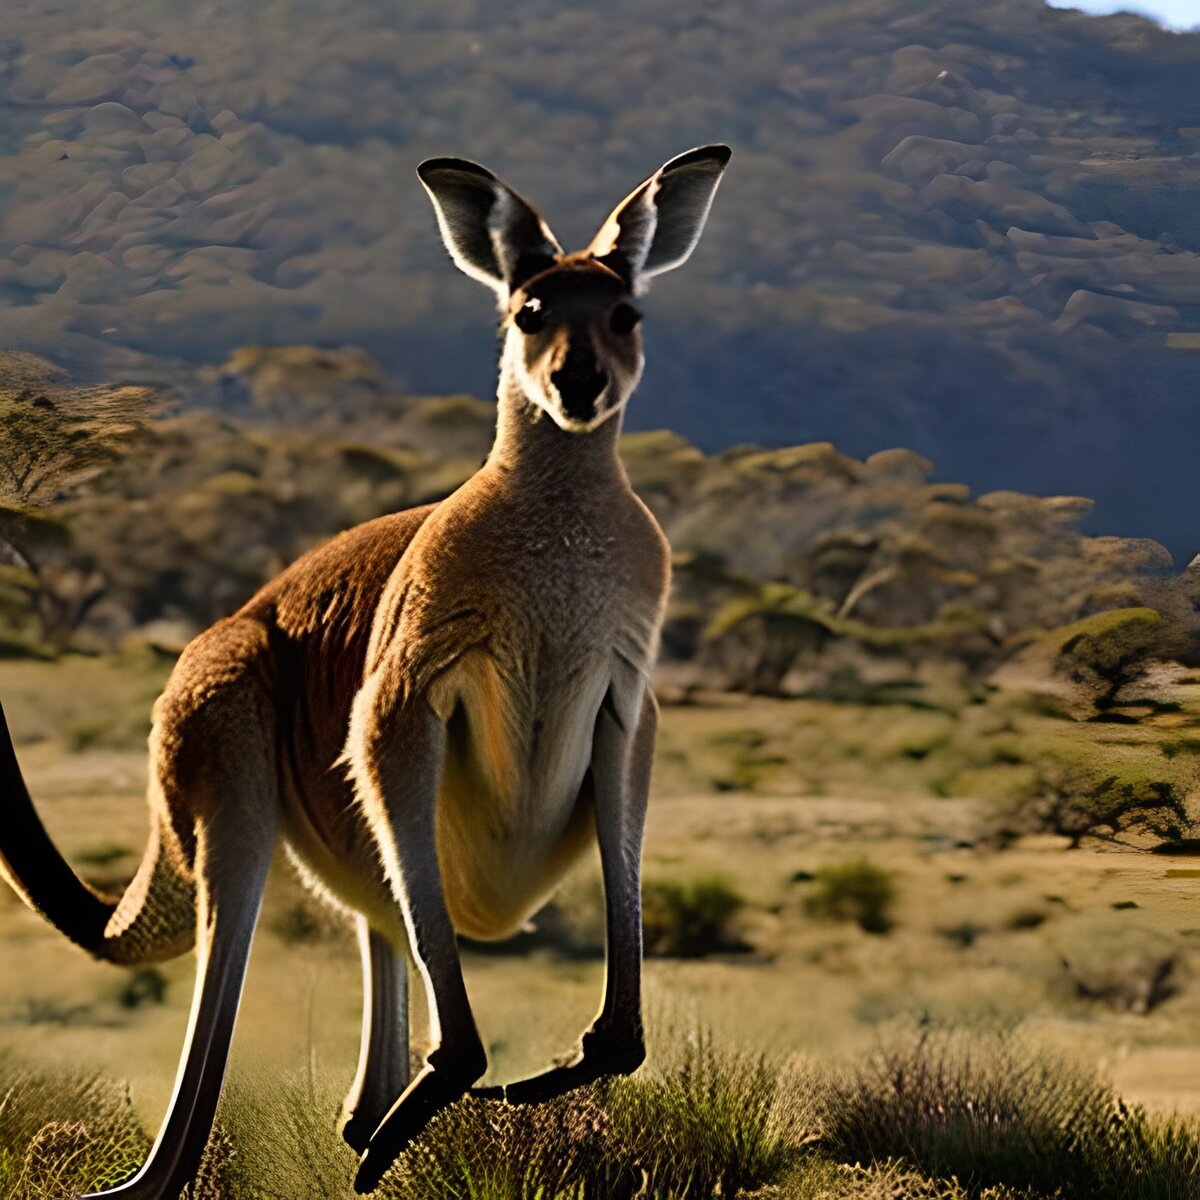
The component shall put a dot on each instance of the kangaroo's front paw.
(433, 1090)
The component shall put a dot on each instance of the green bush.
(703, 1130)
(712, 1124)
(146, 985)
(690, 920)
(1082, 800)
(1105, 652)
(307, 921)
(855, 891)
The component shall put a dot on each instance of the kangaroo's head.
(570, 325)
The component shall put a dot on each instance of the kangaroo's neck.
(531, 448)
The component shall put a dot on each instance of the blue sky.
(1181, 14)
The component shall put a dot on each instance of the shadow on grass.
(943, 1117)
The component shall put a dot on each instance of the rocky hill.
(969, 229)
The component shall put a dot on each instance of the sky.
(1179, 14)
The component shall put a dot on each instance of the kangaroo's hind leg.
(399, 745)
(622, 756)
(383, 1060)
(216, 774)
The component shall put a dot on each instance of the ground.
(1092, 950)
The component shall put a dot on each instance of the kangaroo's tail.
(153, 920)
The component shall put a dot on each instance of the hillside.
(971, 230)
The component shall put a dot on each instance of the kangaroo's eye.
(530, 317)
(624, 319)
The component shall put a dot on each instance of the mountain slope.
(972, 230)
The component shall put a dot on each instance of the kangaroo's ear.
(492, 233)
(656, 227)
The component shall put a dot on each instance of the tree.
(1082, 800)
(54, 442)
(1105, 652)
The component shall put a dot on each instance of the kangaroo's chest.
(548, 597)
(521, 704)
(520, 709)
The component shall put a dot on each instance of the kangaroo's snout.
(579, 392)
(579, 382)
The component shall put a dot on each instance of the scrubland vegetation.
(926, 759)
(871, 895)
(929, 1116)
(925, 808)
(799, 572)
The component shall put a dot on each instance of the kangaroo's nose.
(579, 382)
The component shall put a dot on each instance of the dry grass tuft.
(936, 1117)
(62, 1133)
(997, 1113)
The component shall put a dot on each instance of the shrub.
(964, 935)
(855, 891)
(711, 1126)
(680, 920)
(1127, 963)
(1001, 1114)
(146, 985)
(938, 1118)
(306, 921)
(689, 920)
(1137, 988)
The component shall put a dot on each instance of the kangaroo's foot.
(357, 1130)
(606, 1051)
(434, 1089)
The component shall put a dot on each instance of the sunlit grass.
(63, 1133)
(932, 1117)
(994, 1113)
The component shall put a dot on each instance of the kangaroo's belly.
(512, 811)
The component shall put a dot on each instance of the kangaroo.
(437, 711)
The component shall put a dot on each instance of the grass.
(63, 1133)
(709, 1127)
(711, 1124)
(942, 1116)
(991, 1113)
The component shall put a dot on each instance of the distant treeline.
(797, 571)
